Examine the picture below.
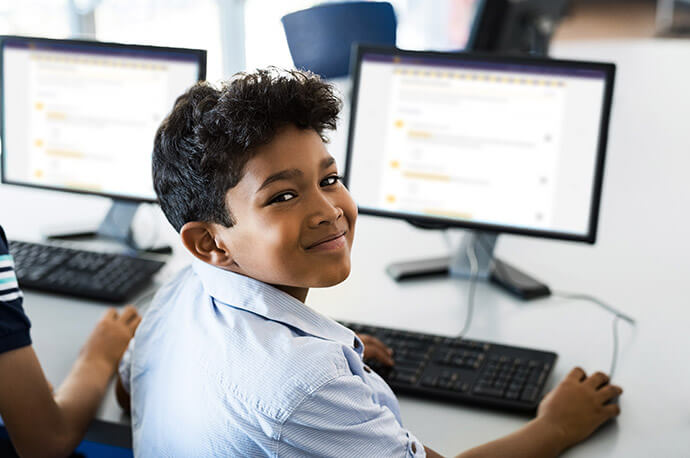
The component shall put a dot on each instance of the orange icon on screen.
(38, 173)
(39, 105)
(38, 143)
(399, 123)
(390, 198)
(395, 164)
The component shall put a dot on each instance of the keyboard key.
(483, 390)
(530, 394)
(430, 381)
(446, 384)
(405, 377)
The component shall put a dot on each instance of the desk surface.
(639, 265)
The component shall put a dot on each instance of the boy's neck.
(297, 292)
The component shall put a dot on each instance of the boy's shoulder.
(254, 359)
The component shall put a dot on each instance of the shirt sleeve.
(14, 324)
(125, 368)
(341, 418)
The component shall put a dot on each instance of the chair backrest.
(320, 38)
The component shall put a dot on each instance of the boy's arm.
(42, 425)
(566, 416)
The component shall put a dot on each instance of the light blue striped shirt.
(225, 365)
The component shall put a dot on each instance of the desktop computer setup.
(80, 116)
(442, 140)
(489, 144)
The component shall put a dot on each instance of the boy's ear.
(200, 240)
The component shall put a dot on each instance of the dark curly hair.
(201, 148)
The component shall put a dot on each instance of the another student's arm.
(566, 416)
(44, 425)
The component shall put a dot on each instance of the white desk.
(640, 264)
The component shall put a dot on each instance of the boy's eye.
(331, 180)
(284, 197)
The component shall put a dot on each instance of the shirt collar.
(268, 301)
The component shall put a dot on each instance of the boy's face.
(295, 220)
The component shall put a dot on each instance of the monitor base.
(117, 226)
(498, 272)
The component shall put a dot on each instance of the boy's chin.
(327, 279)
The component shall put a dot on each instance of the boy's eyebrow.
(293, 173)
(282, 175)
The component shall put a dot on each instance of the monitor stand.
(117, 226)
(488, 267)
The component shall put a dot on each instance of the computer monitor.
(492, 144)
(515, 26)
(80, 116)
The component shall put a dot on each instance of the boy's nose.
(327, 213)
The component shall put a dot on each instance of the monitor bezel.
(200, 55)
(608, 69)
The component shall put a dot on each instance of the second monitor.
(491, 144)
(80, 116)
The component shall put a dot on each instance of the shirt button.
(366, 369)
(414, 447)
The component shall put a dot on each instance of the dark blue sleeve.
(14, 324)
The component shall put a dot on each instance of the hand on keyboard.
(455, 369)
(376, 350)
(579, 405)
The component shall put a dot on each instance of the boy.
(38, 422)
(228, 360)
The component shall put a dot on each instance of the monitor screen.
(500, 144)
(81, 116)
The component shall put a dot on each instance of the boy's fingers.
(371, 342)
(134, 324)
(611, 410)
(609, 392)
(597, 380)
(577, 374)
(375, 341)
(381, 355)
(110, 314)
(128, 314)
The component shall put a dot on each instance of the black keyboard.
(102, 276)
(462, 370)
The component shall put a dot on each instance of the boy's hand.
(109, 339)
(578, 405)
(375, 349)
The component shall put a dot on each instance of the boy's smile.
(294, 218)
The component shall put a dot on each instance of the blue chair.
(320, 38)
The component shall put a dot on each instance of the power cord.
(617, 316)
(472, 257)
(474, 274)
